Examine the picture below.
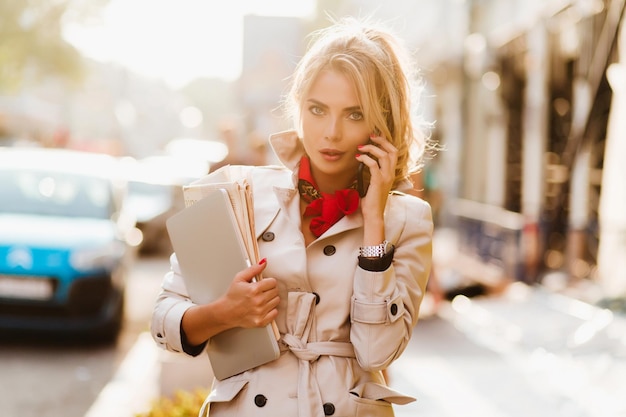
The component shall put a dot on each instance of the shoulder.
(253, 173)
(407, 209)
(408, 221)
(271, 169)
(408, 201)
(271, 175)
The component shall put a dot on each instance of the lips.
(331, 154)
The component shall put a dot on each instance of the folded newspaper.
(239, 192)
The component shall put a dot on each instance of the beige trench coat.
(340, 325)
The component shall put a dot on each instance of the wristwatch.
(377, 251)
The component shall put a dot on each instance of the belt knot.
(300, 348)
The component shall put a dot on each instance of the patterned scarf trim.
(326, 209)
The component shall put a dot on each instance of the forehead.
(333, 88)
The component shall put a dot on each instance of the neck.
(329, 183)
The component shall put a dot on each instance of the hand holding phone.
(363, 175)
(385, 155)
(361, 182)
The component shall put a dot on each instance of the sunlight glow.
(176, 40)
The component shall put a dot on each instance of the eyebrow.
(347, 109)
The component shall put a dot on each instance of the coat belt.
(300, 325)
(309, 397)
(311, 351)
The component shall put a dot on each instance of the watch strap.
(377, 264)
(376, 251)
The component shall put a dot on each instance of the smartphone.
(363, 173)
(362, 179)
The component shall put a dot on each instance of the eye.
(356, 116)
(316, 110)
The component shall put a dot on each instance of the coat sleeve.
(385, 305)
(171, 304)
(173, 300)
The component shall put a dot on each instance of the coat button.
(267, 236)
(394, 309)
(329, 409)
(317, 298)
(329, 250)
(260, 400)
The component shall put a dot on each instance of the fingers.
(384, 151)
(263, 305)
(253, 303)
(267, 312)
(251, 272)
(265, 299)
(266, 286)
(380, 156)
(268, 318)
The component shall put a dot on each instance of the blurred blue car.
(65, 242)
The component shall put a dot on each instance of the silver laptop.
(210, 252)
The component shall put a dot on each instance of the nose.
(333, 129)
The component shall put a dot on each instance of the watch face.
(386, 246)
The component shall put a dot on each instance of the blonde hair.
(384, 78)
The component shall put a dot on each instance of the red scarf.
(327, 208)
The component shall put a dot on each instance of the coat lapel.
(278, 183)
(289, 149)
(352, 221)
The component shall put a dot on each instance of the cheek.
(308, 134)
(310, 124)
(359, 136)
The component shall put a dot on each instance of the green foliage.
(31, 40)
(182, 404)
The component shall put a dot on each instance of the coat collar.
(288, 148)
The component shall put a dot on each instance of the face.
(333, 126)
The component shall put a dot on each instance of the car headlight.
(103, 257)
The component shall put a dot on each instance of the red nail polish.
(262, 261)
(357, 155)
(360, 146)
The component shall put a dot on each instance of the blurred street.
(512, 351)
(525, 351)
(525, 97)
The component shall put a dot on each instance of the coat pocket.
(372, 392)
(222, 392)
(226, 390)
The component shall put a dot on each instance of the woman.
(344, 275)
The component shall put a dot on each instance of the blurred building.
(526, 95)
(525, 110)
(533, 189)
(112, 111)
(115, 104)
(272, 46)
